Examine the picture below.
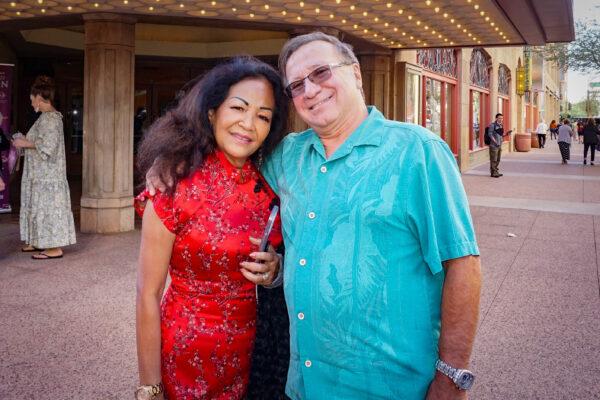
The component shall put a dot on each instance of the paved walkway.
(67, 327)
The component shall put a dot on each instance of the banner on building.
(6, 76)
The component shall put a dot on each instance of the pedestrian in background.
(553, 129)
(496, 134)
(579, 132)
(541, 130)
(565, 133)
(590, 140)
(46, 219)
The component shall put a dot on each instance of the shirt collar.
(367, 134)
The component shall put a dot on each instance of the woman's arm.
(155, 254)
(22, 143)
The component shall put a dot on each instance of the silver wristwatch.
(462, 378)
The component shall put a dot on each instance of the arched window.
(481, 64)
(504, 95)
(479, 95)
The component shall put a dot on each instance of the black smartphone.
(264, 243)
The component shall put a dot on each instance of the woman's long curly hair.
(178, 142)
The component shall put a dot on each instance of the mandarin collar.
(238, 175)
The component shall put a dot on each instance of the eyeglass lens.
(319, 75)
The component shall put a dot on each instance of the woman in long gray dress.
(46, 220)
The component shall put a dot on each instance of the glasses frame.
(310, 77)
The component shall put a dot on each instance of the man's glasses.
(319, 75)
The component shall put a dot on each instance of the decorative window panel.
(503, 80)
(480, 69)
(440, 61)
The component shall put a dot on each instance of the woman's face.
(241, 124)
(35, 102)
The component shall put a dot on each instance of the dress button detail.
(323, 169)
(308, 363)
(300, 316)
(302, 262)
(312, 215)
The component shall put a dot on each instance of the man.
(541, 133)
(496, 133)
(381, 274)
(379, 241)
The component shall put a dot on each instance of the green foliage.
(583, 54)
(585, 108)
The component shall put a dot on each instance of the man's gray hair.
(344, 49)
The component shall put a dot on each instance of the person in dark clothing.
(496, 132)
(590, 140)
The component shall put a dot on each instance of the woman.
(46, 220)
(553, 129)
(579, 132)
(590, 140)
(565, 133)
(197, 344)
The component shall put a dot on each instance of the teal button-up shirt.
(366, 231)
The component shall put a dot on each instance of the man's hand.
(154, 182)
(2, 185)
(442, 388)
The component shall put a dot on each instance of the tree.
(582, 55)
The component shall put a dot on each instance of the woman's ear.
(211, 117)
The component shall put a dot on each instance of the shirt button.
(323, 169)
(312, 215)
(308, 363)
(302, 262)
(300, 316)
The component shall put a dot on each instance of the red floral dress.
(208, 315)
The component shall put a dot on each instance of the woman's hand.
(2, 186)
(22, 143)
(265, 268)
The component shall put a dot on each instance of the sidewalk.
(68, 327)
(539, 330)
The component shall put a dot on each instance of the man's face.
(326, 104)
(500, 119)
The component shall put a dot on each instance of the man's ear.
(357, 75)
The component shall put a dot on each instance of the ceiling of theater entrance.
(386, 23)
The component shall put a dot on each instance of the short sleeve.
(49, 132)
(437, 207)
(164, 206)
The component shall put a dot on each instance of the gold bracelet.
(148, 392)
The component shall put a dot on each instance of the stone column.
(107, 196)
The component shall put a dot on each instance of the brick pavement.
(67, 327)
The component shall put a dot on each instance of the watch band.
(462, 378)
(446, 369)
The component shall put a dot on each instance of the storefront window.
(412, 98)
(448, 115)
(433, 106)
(476, 118)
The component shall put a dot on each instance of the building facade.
(117, 68)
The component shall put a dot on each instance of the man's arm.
(460, 312)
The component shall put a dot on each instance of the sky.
(577, 82)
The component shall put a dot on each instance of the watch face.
(465, 380)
